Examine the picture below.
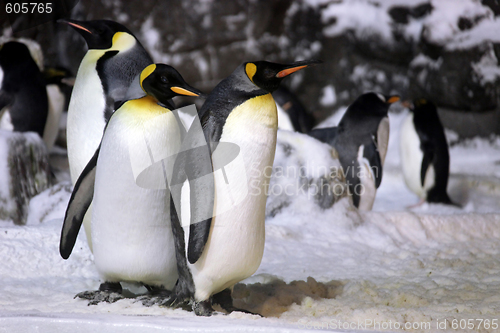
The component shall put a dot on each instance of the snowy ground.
(322, 269)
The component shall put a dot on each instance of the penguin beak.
(187, 91)
(75, 24)
(296, 66)
(393, 99)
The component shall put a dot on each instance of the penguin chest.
(131, 232)
(236, 242)
(411, 157)
(86, 120)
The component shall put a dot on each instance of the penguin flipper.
(326, 135)
(371, 153)
(426, 162)
(80, 200)
(5, 99)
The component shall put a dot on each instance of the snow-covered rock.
(24, 172)
(305, 171)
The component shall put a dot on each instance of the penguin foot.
(156, 296)
(109, 292)
(203, 308)
(225, 300)
(96, 296)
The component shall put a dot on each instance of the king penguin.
(114, 59)
(425, 159)
(216, 253)
(361, 140)
(131, 231)
(22, 90)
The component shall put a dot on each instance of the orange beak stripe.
(79, 27)
(393, 99)
(289, 71)
(182, 91)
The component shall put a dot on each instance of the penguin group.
(127, 152)
(136, 165)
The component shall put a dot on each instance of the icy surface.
(391, 265)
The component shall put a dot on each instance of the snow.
(322, 268)
(329, 97)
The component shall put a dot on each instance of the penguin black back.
(23, 88)
(360, 126)
(434, 147)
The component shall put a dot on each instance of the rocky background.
(444, 50)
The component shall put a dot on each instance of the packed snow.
(322, 269)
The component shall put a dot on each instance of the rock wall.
(443, 50)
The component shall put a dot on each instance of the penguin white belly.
(85, 115)
(411, 156)
(56, 105)
(367, 191)
(235, 245)
(131, 232)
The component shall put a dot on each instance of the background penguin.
(22, 90)
(115, 57)
(425, 159)
(292, 115)
(228, 248)
(361, 140)
(59, 82)
(131, 230)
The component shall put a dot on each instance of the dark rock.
(493, 4)
(25, 173)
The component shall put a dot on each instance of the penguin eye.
(164, 79)
(268, 73)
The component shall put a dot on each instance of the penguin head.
(163, 83)
(13, 54)
(374, 104)
(268, 75)
(422, 106)
(99, 34)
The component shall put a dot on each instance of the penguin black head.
(13, 54)
(374, 104)
(163, 82)
(98, 34)
(268, 75)
(422, 106)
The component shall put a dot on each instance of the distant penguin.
(292, 115)
(131, 233)
(114, 59)
(23, 95)
(225, 249)
(425, 159)
(58, 82)
(361, 140)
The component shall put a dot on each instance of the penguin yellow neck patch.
(122, 41)
(250, 69)
(145, 73)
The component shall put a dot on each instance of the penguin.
(114, 59)
(361, 140)
(59, 81)
(131, 233)
(425, 159)
(23, 95)
(215, 253)
(292, 115)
